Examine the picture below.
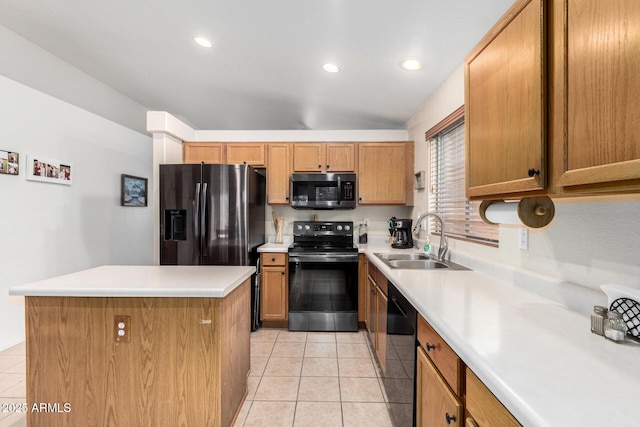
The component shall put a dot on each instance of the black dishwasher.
(400, 370)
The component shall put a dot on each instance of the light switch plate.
(523, 238)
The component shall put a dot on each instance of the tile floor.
(313, 379)
(13, 389)
(296, 379)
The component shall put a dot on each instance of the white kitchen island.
(138, 345)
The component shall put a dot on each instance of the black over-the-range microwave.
(323, 190)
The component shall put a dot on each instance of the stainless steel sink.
(417, 261)
(402, 257)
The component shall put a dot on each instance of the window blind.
(447, 198)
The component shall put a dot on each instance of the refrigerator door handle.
(203, 220)
(196, 217)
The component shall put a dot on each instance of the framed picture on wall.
(133, 191)
(43, 169)
(9, 162)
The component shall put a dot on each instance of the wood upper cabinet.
(208, 152)
(274, 289)
(324, 157)
(505, 105)
(250, 153)
(385, 173)
(596, 96)
(279, 166)
(436, 404)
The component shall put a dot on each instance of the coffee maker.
(400, 230)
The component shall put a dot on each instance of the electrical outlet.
(121, 328)
(523, 238)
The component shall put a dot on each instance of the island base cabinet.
(436, 404)
(184, 363)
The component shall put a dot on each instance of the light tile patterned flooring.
(297, 379)
(13, 388)
(313, 379)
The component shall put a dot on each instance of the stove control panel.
(317, 228)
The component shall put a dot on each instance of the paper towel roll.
(503, 213)
(534, 212)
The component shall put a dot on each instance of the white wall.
(590, 241)
(50, 229)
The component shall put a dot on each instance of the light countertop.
(535, 354)
(142, 281)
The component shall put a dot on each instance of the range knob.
(299, 227)
(347, 227)
(306, 227)
(339, 228)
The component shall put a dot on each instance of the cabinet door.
(247, 153)
(208, 152)
(381, 325)
(597, 59)
(273, 294)
(340, 157)
(278, 173)
(505, 105)
(436, 405)
(308, 157)
(372, 310)
(363, 287)
(383, 170)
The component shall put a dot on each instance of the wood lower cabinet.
(250, 153)
(274, 288)
(207, 152)
(484, 408)
(385, 173)
(279, 166)
(436, 404)
(377, 313)
(363, 291)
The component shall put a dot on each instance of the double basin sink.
(417, 261)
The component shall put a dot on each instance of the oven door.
(323, 292)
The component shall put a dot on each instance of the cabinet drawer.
(443, 357)
(274, 259)
(484, 407)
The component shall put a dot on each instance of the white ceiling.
(264, 70)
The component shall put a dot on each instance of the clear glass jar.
(598, 317)
(615, 327)
(362, 233)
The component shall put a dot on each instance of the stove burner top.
(329, 236)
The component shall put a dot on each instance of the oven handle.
(317, 258)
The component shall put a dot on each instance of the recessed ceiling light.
(411, 64)
(331, 68)
(202, 41)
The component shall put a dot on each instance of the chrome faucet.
(444, 245)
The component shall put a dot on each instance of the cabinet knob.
(328, 166)
(286, 198)
(282, 273)
(273, 260)
(430, 347)
(319, 166)
(533, 171)
(450, 418)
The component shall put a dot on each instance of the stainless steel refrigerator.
(213, 215)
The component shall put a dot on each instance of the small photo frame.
(134, 191)
(43, 169)
(9, 163)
